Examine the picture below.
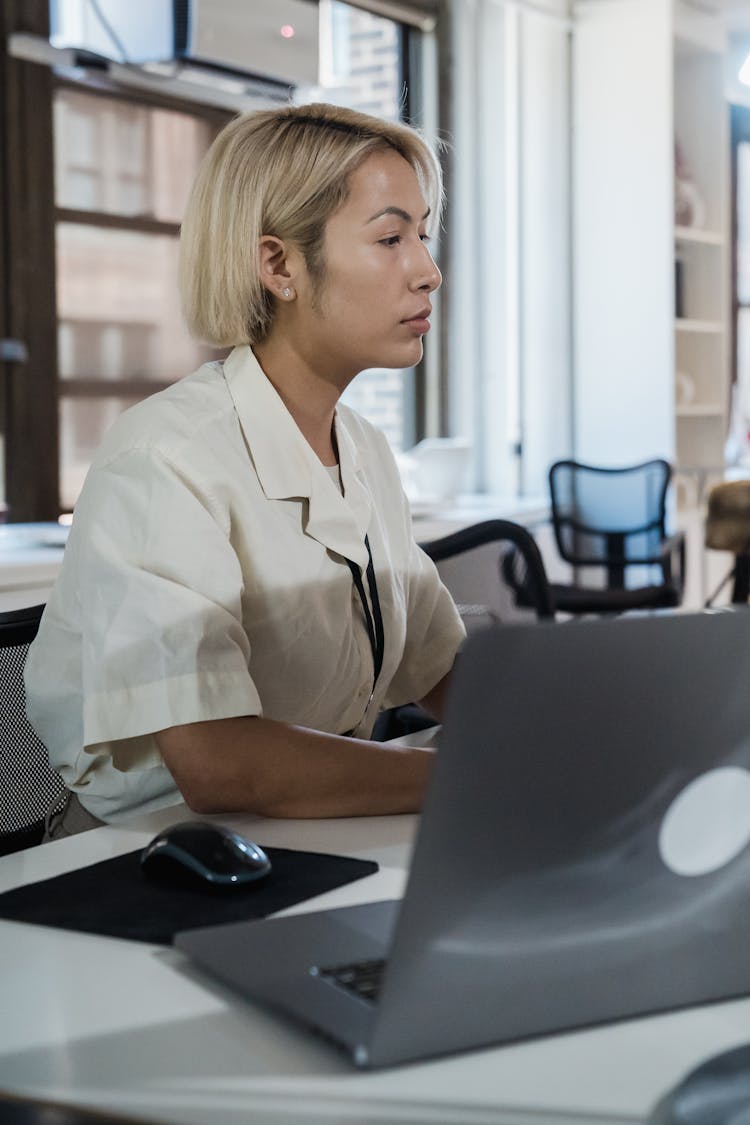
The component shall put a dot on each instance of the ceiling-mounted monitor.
(273, 39)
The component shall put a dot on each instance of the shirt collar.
(288, 468)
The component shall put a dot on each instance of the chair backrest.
(517, 575)
(28, 784)
(610, 517)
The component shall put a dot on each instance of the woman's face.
(372, 306)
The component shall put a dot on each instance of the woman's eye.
(393, 240)
(424, 238)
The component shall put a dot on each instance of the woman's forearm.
(269, 768)
(434, 701)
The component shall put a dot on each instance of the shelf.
(688, 46)
(683, 324)
(698, 236)
(699, 410)
(697, 31)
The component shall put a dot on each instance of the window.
(362, 59)
(363, 67)
(122, 174)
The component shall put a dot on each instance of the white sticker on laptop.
(708, 823)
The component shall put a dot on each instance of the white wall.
(476, 286)
(509, 361)
(623, 231)
(545, 286)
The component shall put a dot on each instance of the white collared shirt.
(205, 577)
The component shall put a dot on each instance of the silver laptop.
(582, 854)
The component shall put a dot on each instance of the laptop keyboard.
(362, 977)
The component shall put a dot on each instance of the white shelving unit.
(702, 333)
(702, 410)
(689, 324)
(688, 235)
(649, 383)
(647, 73)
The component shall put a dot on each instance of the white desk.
(433, 521)
(30, 557)
(31, 554)
(131, 1027)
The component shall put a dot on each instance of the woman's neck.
(309, 398)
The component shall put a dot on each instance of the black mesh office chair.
(615, 519)
(28, 784)
(519, 565)
(518, 591)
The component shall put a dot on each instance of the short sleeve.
(160, 585)
(434, 633)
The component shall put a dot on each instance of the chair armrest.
(672, 542)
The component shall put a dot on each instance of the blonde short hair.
(280, 172)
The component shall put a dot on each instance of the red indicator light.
(287, 31)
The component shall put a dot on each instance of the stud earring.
(288, 293)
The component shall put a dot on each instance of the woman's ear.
(276, 268)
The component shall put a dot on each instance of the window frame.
(33, 484)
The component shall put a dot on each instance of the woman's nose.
(427, 275)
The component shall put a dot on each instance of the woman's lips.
(419, 323)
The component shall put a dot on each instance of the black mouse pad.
(114, 897)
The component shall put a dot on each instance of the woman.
(241, 592)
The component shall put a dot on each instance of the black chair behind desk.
(28, 784)
(520, 568)
(521, 593)
(615, 519)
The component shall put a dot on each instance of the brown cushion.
(728, 517)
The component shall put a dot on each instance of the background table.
(30, 558)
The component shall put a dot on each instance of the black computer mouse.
(199, 853)
(716, 1093)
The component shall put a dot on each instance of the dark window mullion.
(141, 224)
(28, 266)
(112, 388)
